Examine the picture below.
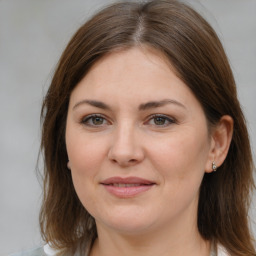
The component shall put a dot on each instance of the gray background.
(33, 33)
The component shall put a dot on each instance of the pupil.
(159, 120)
(97, 120)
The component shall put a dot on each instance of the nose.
(126, 146)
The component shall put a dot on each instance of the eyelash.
(85, 121)
(165, 118)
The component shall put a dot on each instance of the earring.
(68, 165)
(214, 166)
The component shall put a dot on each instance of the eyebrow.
(142, 107)
(94, 103)
(157, 104)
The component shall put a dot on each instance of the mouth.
(124, 185)
(127, 187)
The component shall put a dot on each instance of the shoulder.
(46, 250)
(40, 251)
(221, 251)
(34, 252)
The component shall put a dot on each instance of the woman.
(145, 144)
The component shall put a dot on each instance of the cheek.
(85, 153)
(182, 156)
(85, 161)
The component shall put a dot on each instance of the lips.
(127, 187)
(121, 185)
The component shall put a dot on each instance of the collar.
(49, 251)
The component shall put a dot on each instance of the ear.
(68, 165)
(221, 136)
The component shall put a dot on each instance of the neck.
(164, 242)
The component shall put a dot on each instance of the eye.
(94, 120)
(161, 120)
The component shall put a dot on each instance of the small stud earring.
(214, 166)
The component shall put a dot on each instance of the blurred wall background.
(33, 34)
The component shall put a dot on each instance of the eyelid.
(85, 119)
(171, 120)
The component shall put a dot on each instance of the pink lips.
(127, 187)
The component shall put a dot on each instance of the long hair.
(197, 55)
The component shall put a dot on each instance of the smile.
(121, 185)
(127, 187)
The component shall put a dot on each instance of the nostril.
(124, 155)
(124, 162)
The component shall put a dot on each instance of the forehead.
(133, 76)
(142, 56)
(124, 68)
(126, 80)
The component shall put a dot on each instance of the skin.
(173, 150)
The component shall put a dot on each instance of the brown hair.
(194, 50)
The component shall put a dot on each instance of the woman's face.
(138, 144)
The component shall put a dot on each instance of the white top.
(48, 251)
(221, 251)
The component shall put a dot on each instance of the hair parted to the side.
(195, 52)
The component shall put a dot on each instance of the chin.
(130, 228)
(128, 224)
